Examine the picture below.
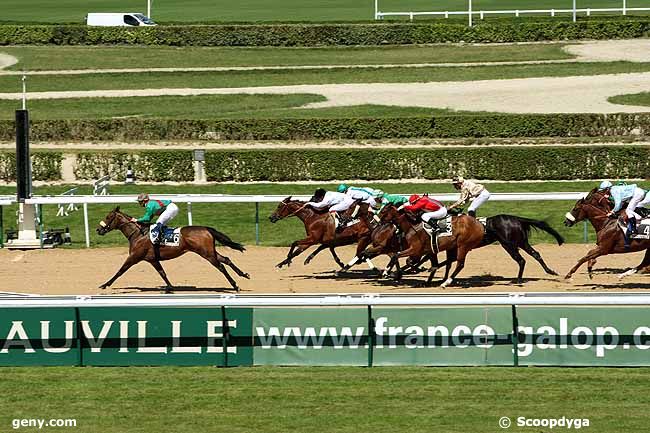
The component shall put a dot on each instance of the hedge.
(497, 163)
(499, 125)
(323, 34)
(46, 166)
(149, 166)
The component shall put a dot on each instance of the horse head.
(285, 208)
(388, 213)
(596, 202)
(111, 222)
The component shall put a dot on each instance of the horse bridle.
(120, 225)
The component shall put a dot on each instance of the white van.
(122, 19)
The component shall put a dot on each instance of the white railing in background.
(471, 13)
(85, 200)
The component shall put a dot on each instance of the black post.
(23, 166)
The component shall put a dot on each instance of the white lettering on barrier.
(17, 330)
(45, 337)
(142, 335)
(176, 340)
(96, 343)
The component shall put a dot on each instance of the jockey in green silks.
(165, 210)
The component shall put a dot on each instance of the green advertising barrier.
(38, 336)
(310, 336)
(126, 336)
(165, 336)
(584, 336)
(443, 336)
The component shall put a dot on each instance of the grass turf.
(286, 77)
(343, 399)
(74, 11)
(236, 106)
(238, 219)
(642, 99)
(34, 58)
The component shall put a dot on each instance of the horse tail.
(527, 223)
(225, 240)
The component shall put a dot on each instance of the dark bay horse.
(610, 239)
(197, 239)
(320, 229)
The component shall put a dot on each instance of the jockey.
(433, 209)
(469, 190)
(164, 209)
(336, 201)
(621, 193)
(363, 194)
(394, 199)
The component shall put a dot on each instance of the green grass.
(61, 57)
(238, 219)
(295, 77)
(74, 11)
(642, 99)
(317, 400)
(206, 107)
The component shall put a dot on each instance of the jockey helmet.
(457, 179)
(414, 198)
(142, 197)
(604, 185)
(320, 193)
(342, 188)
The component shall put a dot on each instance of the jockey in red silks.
(433, 209)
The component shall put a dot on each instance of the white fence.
(85, 200)
(327, 300)
(471, 13)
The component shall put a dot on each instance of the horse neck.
(403, 222)
(306, 215)
(597, 217)
(128, 229)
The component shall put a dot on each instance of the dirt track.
(488, 270)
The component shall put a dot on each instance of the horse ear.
(288, 199)
(117, 209)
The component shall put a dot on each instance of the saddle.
(642, 227)
(169, 236)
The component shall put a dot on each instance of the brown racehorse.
(467, 234)
(610, 238)
(320, 229)
(196, 239)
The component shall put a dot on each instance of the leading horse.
(197, 239)
(610, 238)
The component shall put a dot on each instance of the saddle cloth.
(444, 227)
(170, 236)
(642, 228)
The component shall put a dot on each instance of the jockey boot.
(156, 234)
(631, 224)
(472, 213)
(343, 221)
(432, 225)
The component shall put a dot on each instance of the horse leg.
(645, 262)
(297, 247)
(130, 261)
(513, 251)
(537, 256)
(336, 258)
(460, 264)
(451, 258)
(157, 266)
(226, 260)
(318, 250)
(592, 254)
(590, 268)
(216, 261)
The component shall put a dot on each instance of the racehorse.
(512, 233)
(595, 207)
(467, 234)
(196, 239)
(320, 228)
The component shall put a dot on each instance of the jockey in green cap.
(165, 210)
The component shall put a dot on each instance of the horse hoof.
(627, 273)
(246, 275)
(553, 273)
(446, 283)
(567, 276)
(103, 286)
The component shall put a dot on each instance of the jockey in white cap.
(469, 190)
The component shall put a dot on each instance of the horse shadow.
(163, 289)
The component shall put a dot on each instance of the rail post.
(515, 337)
(624, 7)
(371, 336)
(469, 12)
(39, 215)
(257, 223)
(2, 229)
(585, 232)
(189, 213)
(574, 11)
(225, 334)
(86, 230)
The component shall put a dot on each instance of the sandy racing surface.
(488, 269)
